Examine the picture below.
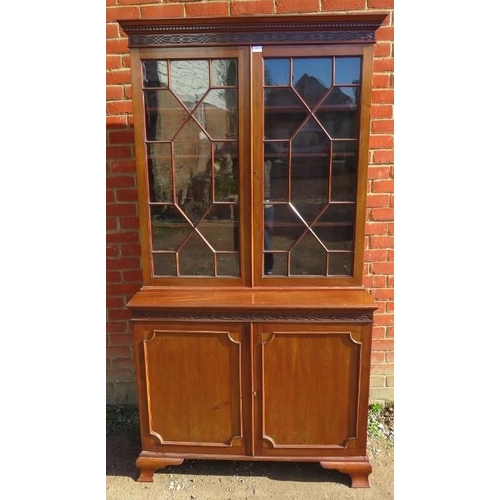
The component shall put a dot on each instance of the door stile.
(257, 168)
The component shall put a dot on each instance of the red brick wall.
(123, 252)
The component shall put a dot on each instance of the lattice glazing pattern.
(311, 126)
(191, 128)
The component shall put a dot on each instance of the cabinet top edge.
(252, 299)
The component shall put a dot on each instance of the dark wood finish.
(251, 374)
(255, 30)
(254, 367)
(257, 108)
(142, 169)
(199, 371)
(302, 411)
(250, 156)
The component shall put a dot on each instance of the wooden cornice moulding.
(254, 30)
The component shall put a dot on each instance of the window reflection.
(155, 73)
(318, 69)
(189, 81)
(347, 70)
(277, 72)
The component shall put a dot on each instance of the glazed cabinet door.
(312, 383)
(192, 134)
(191, 379)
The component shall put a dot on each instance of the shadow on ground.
(122, 451)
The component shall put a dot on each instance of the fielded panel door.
(192, 381)
(311, 388)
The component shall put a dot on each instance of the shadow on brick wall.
(123, 261)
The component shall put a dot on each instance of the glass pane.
(341, 96)
(312, 77)
(189, 80)
(309, 188)
(352, 94)
(308, 257)
(319, 68)
(310, 169)
(282, 227)
(226, 186)
(154, 73)
(284, 112)
(334, 237)
(164, 264)
(169, 230)
(339, 112)
(340, 264)
(338, 212)
(219, 114)
(224, 73)
(220, 233)
(341, 124)
(276, 171)
(228, 264)
(196, 258)
(308, 209)
(310, 140)
(164, 115)
(347, 70)
(193, 179)
(277, 72)
(344, 170)
(283, 100)
(198, 200)
(306, 229)
(192, 172)
(160, 172)
(226, 171)
(276, 264)
(335, 227)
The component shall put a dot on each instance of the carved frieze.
(290, 37)
(299, 316)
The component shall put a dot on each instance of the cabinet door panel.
(191, 110)
(309, 379)
(192, 389)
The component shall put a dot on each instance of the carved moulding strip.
(340, 317)
(275, 23)
(249, 38)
